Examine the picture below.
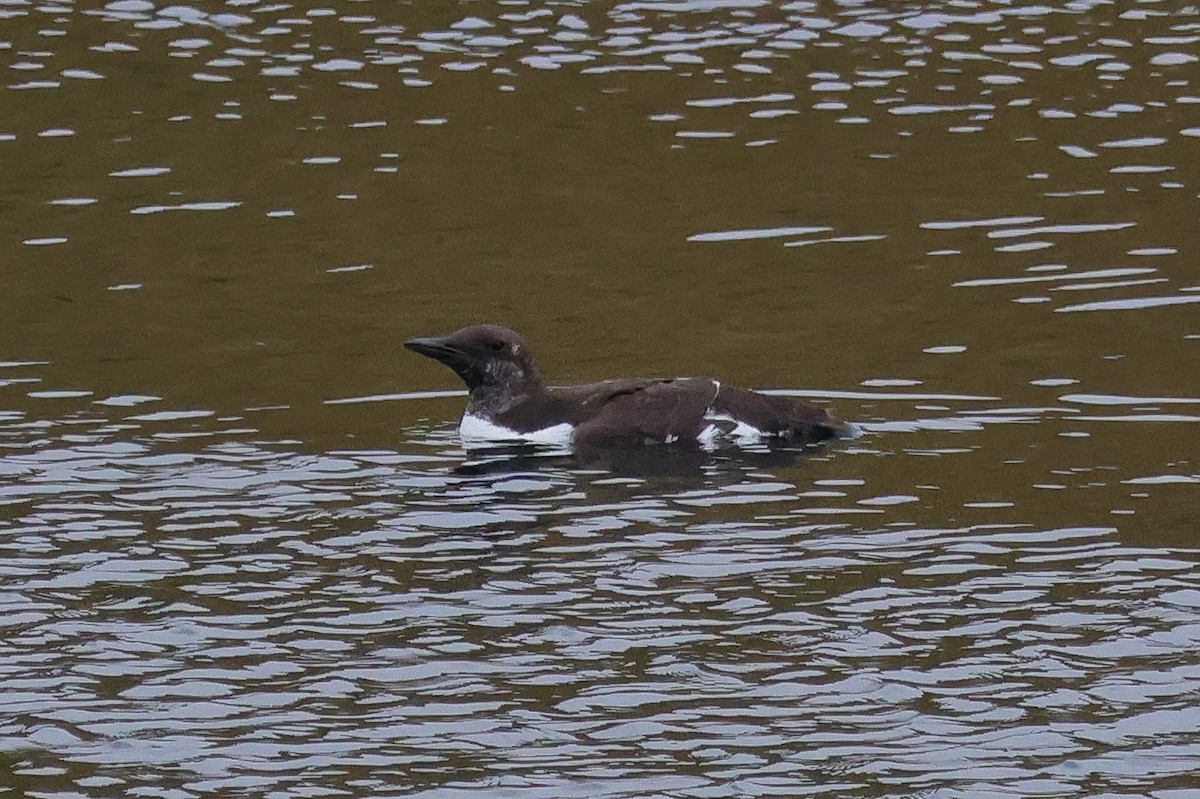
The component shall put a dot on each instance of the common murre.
(509, 402)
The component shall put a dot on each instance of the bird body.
(509, 402)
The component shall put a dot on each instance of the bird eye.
(497, 346)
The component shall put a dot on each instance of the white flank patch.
(476, 430)
(741, 433)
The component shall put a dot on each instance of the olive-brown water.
(243, 553)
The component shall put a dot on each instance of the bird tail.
(846, 429)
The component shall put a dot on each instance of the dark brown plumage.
(507, 394)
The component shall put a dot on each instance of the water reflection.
(765, 626)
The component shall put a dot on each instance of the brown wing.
(779, 416)
(643, 411)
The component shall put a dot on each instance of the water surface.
(244, 553)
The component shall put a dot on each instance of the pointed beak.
(433, 347)
(464, 364)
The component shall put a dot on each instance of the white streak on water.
(1120, 399)
(403, 395)
(873, 395)
(1127, 304)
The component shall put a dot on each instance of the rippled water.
(242, 551)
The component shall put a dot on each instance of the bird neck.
(492, 398)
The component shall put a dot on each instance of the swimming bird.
(508, 402)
